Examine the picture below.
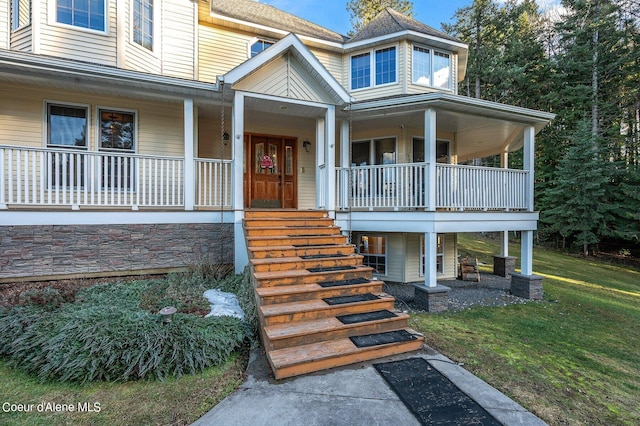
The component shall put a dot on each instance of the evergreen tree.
(363, 11)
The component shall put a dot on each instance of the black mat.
(331, 269)
(322, 256)
(341, 300)
(430, 396)
(365, 316)
(382, 338)
(340, 283)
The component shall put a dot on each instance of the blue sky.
(333, 14)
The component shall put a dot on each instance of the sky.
(333, 14)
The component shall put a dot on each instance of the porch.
(47, 177)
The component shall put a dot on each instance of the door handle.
(279, 180)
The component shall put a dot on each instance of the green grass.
(170, 402)
(573, 358)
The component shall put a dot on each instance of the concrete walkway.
(351, 395)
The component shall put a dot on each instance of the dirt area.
(21, 293)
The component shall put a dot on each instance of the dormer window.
(383, 61)
(259, 46)
(143, 23)
(88, 14)
(431, 68)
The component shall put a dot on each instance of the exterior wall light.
(306, 145)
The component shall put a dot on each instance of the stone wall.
(60, 250)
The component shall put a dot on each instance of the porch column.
(330, 159)
(504, 246)
(528, 159)
(430, 158)
(526, 253)
(241, 258)
(189, 140)
(345, 158)
(320, 163)
(430, 260)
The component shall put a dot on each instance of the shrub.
(106, 335)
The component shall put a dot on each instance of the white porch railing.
(68, 177)
(213, 183)
(404, 186)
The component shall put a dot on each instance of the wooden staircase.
(311, 291)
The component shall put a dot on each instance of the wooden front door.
(271, 181)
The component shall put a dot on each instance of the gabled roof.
(265, 15)
(293, 45)
(389, 22)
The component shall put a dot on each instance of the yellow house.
(134, 135)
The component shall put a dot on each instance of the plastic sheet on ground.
(223, 304)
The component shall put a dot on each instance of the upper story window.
(259, 46)
(67, 126)
(382, 61)
(20, 13)
(431, 68)
(88, 14)
(143, 23)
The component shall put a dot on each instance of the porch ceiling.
(283, 107)
(479, 128)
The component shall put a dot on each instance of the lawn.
(573, 358)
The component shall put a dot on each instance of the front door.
(272, 174)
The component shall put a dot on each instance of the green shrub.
(106, 335)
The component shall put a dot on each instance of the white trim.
(281, 100)
(189, 118)
(53, 21)
(438, 254)
(432, 52)
(254, 40)
(526, 253)
(289, 42)
(68, 217)
(405, 34)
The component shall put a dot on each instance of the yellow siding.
(22, 115)
(22, 39)
(4, 24)
(178, 38)
(138, 58)
(332, 62)
(220, 51)
(396, 88)
(75, 43)
(413, 260)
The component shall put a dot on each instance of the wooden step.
(303, 276)
(315, 309)
(275, 252)
(292, 263)
(281, 336)
(295, 293)
(304, 359)
(280, 214)
(295, 222)
(289, 231)
(298, 240)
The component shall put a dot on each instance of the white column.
(526, 253)
(430, 157)
(529, 160)
(345, 158)
(241, 258)
(320, 161)
(430, 261)
(504, 246)
(330, 159)
(189, 172)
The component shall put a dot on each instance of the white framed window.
(117, 134)
(431, 68)
(87, 14)
(379, 65)
(142, 23)
(439, 254)
(373, 248)
(20, 14)
(67, 125)
(258, 46)
(374, 151)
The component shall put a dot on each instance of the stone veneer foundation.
(527, 286)
(28, 252)
(432, 299)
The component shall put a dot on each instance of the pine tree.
(363, 11)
